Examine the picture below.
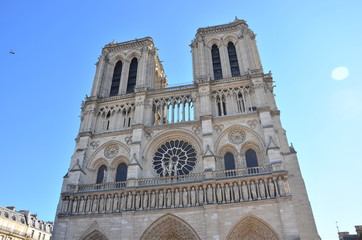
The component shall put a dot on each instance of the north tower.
(209, 160)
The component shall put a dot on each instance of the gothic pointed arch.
(250, 228)
(238, 136)
(170, 227)
(94, 232)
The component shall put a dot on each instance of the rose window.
(175, 157)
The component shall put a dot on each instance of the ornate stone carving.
(252, 123)
(219, 128)
(148, 134)
(237, 136)
(111, 151)
(128, 140)
(196, 129)
(94, 144)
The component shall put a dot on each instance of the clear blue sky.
(56, 44)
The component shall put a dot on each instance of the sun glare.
(340, 73)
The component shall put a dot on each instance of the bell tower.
(209, 160)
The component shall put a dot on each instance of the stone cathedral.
(209, 160)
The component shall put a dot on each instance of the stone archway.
(169, 227)
(252, 228)
(95, 235)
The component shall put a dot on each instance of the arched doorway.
(95, 235)
(170, 227)
(252, 228)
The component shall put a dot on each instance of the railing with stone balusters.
(194, 177)
(223, 189)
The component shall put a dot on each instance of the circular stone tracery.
(175, 157)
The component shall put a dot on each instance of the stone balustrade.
(226, 187)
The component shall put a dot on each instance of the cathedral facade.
(209, 160)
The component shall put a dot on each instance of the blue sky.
(57, 43)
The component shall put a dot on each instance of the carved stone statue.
(138, 200)
(244, 190)
(218, 194)
(227, 192)
(253, 190)
(281, 186)
(153, 200)
(184, 197)
(262, 189)
(109, 203)
(101, 203)
(65, 205)
(236, 192)
(168, 198)
(177, 198)
(129, 201)
(193, 196)
(123, 202)
(145, 200)
(209, 194)
(74, 207)
(115, 202)
(88, 204)
(81, 205)
(201, 196)
(95, 204)
(160, 199)
(271, 188)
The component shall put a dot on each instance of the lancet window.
(229, 161)
(216, 62)
(251, 161)
(233, 101)
(132, 75)
(221, 105)
(121, 174)
(233, 60)
(173, 109)
(116, 80)
(101, 175)
(115, 117)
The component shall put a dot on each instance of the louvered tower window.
(216, 63)
(116, 79)
(132, 76)
(233, 59)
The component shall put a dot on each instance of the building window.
(174, 158)
(116, 80)
(251, 161)
(221, 105)
(233, 59)
(101, 174)
(216, 62)
(132, 76)
(121, 175)
(229, 161)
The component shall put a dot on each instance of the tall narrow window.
(233, 59)
(221, 105)
(251, 161)
(116, 79)
(121, 175)
(216, 63)
(229, 161)
(101, 175)
(132, 76)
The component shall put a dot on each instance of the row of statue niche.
(178, 197)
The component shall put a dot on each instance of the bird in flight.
(12, 52)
